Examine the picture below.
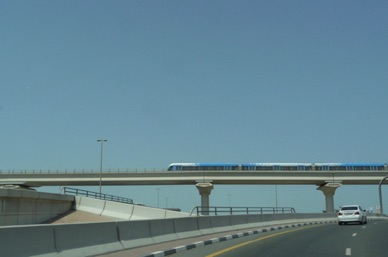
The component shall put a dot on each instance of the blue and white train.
(277, 166)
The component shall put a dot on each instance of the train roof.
(279, 164)
(352, 164)
(204, 164)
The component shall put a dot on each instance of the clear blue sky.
(195, 81)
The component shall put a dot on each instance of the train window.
(362, 168)
(188, 168)
(264, 168)
(213, 167)
(337, 168)
(288, 167)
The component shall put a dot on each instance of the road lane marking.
(348, 251)
(355, 234)
(253, 241)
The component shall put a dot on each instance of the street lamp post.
(102, 147)
(157, 189)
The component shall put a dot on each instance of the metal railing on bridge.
(78, 171)
(213, 210)
(80, 192)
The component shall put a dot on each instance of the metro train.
(277, 166)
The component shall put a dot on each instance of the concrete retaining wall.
(83, 239)
(20, 207)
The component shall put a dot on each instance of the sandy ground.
(80, 217)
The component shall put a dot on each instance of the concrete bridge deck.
(37, 179)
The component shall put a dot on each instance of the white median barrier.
(86, 239)
(135, 233)
(146, 213)
(118, 210)
(91, 205)
(31, 240)
(175, 214)
(187, 227)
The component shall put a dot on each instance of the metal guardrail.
(75, 191)
(213, 210)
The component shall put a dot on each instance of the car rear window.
(349, 208)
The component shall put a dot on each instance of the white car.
(351, 213)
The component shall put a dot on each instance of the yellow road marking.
(252, 241)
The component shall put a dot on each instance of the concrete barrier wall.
(220, 223)
(23, 241)
(89, 205)
(142, 213)
(84, 239)
(135, 233)
(123, 211)
(163, 230)
(187, 227)
(205, 225)
(119, 210)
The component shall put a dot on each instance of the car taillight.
(339, 214)
(357, 213)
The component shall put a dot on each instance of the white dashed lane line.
(348, 251)
(355, 234)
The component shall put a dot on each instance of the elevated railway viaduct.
(326, 181)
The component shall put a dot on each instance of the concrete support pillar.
(329, 191)
(204, 189)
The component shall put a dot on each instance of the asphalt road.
(319, 241)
